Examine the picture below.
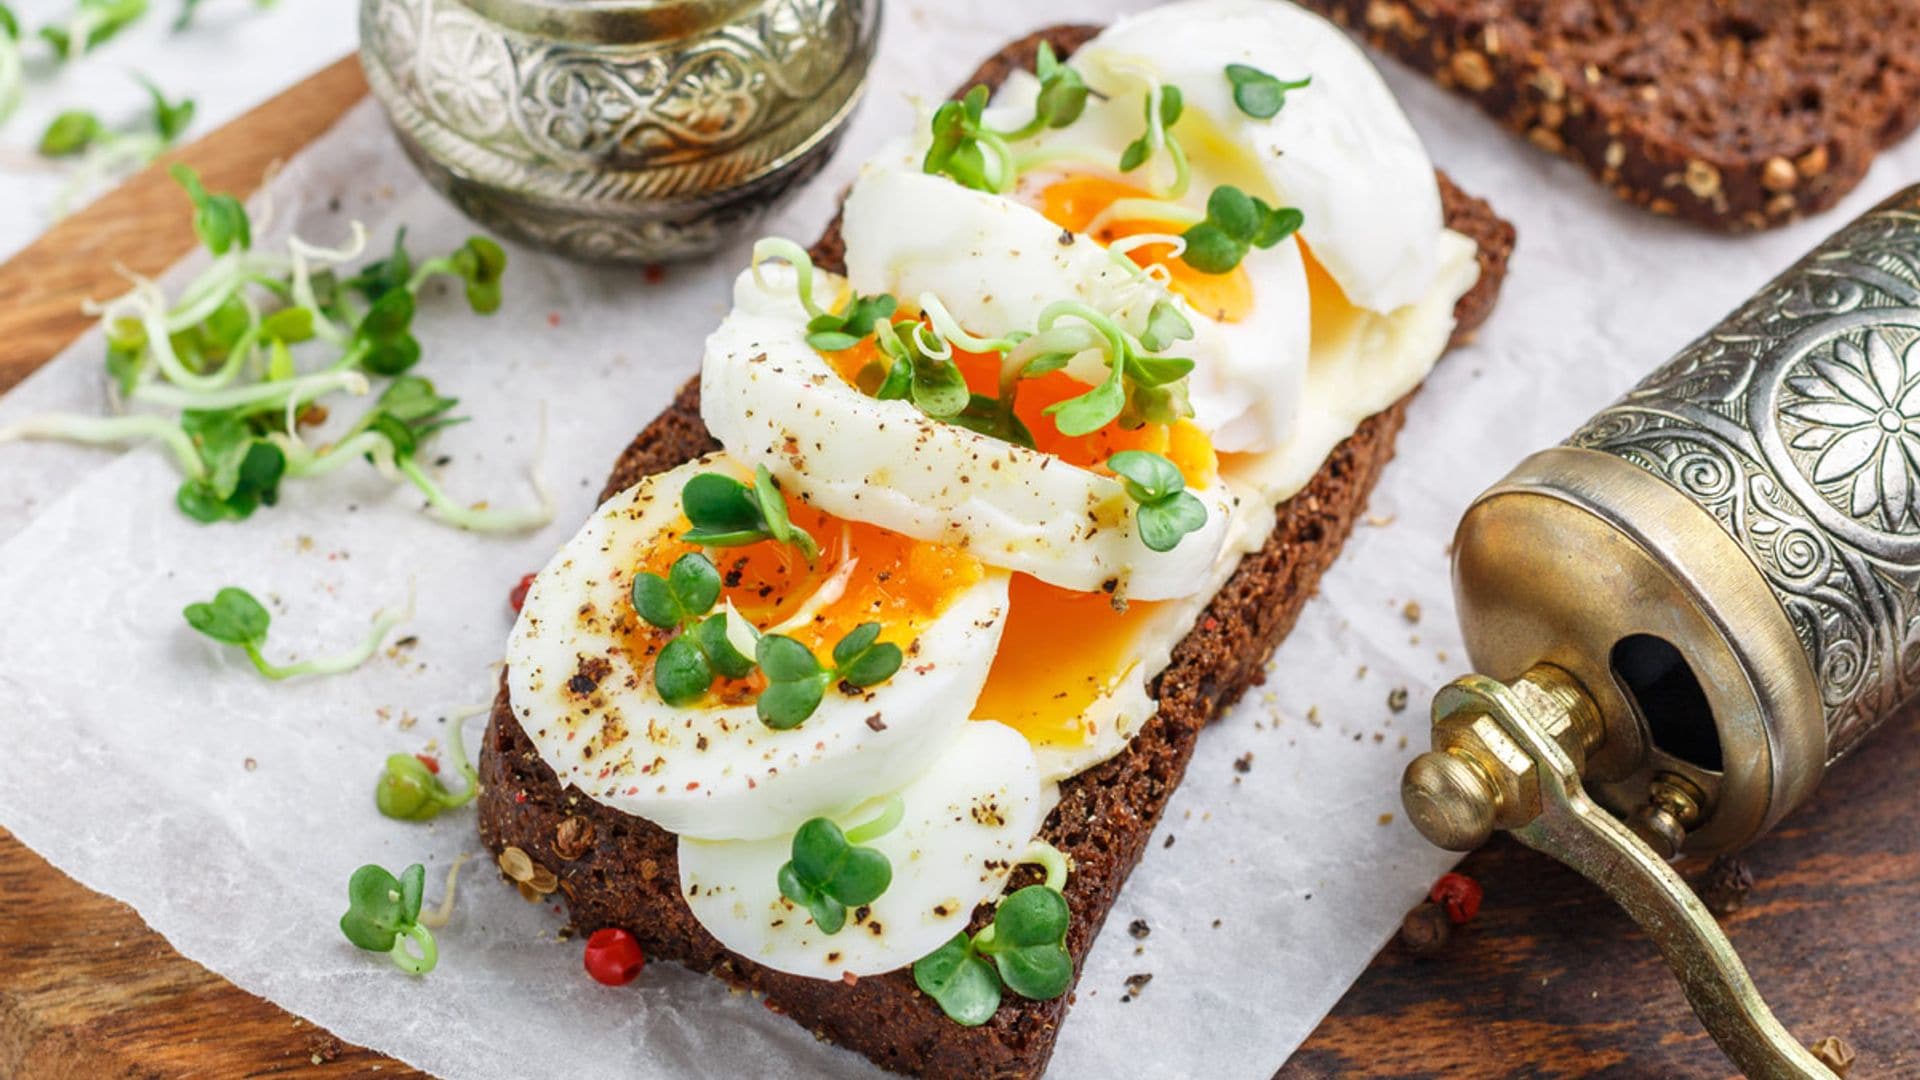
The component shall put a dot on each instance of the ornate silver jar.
(623, 130)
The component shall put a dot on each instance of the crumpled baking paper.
(229, 812)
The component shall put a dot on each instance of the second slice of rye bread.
(618, 870)
(1737, 114)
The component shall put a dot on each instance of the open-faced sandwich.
(867, 683)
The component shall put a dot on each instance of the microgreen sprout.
(797, 681)
(1062, 97)
(965, 150)
(1166, 510)
(1163, 109)
(700, 650)
(1023, 949)
(219, 220)
(411, 790)
(234, 617)
(90, 25)
(921, 370)
(226, 361)
(831, 871)
(1143, 386)
(70, 133)
(826, 331)
(1259, 94)
(1236, 222)
(727, 513)
(383, 915)
(974, 155)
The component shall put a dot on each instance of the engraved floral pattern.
(1796, 423)
(1862, 411)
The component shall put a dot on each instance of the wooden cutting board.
(1550, 981)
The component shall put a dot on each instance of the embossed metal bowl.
(618, 130)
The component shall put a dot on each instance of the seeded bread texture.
(618, 870)
(1736, 114)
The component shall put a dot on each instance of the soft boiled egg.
(966, 823)
(773, 400)
(1340, 150)
(580, 666)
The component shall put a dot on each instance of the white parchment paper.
(229, 812)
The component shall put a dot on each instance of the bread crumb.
(1386, 819)
(1411, 612)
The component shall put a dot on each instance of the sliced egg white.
(967, 819)
(997, 263)
(772, 400)
(590, 707)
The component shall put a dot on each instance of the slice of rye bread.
(1737, 114)
(618, 870)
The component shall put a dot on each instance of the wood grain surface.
(1550, 981)
(1553, 981)
(86, 989)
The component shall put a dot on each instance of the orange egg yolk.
(1182, 442)
(1042, 684)
(1074, 202)
(901, 583)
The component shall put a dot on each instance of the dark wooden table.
(1550, 981)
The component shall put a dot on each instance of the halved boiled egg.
(997, 262)
(773, 400)
(966, 822)
(1340, 149)
(580, 666)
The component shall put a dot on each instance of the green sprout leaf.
(70, 133)
(797, 681)
(410, 790)
(965, 150)
(687, 665)
(727, 513)
(1259, 94)
(1023, 949)
(829, 874)
(1028, 943)
(385, 338)
(220, 220)
(242, 471)
(1166, 510)
(383, 915)
(90, 25)
(1235, 223)
(170, 118)
(1063, 93)
(828, 332)
(480, 263)
(962, 982)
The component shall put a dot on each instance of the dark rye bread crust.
(1736, 114)
(618, 870)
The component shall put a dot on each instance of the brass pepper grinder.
(1689, 610)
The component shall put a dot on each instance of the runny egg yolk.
(901, 583)
(1042, 689)
(1074, 202)
(1182, 442)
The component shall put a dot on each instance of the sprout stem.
(408, 960)
(261, 396)
(885, 822)
(383, 624)
(111, 430)
(1050, 859)
(435, 918)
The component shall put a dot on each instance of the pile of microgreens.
(973, 154)
(1024, 949)
(219, 365)
(708, 645)
(916, 364)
